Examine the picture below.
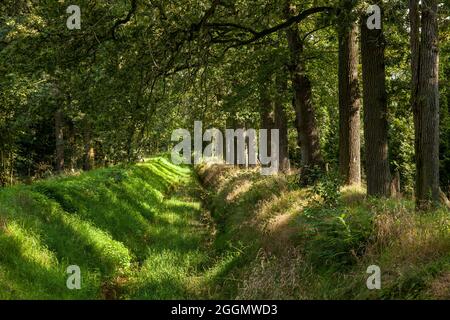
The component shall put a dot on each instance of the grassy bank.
(143, 232)
(293, 245)
(135, 232)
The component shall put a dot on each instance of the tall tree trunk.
(425, 99)
(414, 20)
(305, 114)
(375, 110)
(266, 111)
(130, 156)
(349, 104)
(71, 142)
(280, 122)
(11, 168)
(89, 152)
(59, 135)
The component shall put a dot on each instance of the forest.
(93, 92)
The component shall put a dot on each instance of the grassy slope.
(134, 231)
(292, 247)
(139, 232)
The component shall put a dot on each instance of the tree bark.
(59, 140)
(425, 99)
(306, 125)
(266, 112)
(375, 110)
(281, 123)
(349, 105)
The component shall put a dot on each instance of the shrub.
(328, 188)
(335, 237)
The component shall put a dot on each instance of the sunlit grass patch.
(118, 224)
(295, 246)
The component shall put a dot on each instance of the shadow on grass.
(24, 278)
(106, 220)
(66, 235)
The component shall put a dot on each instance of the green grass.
(135, 231)
(294, 246)
(142, 232)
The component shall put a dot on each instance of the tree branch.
(125, 20)
(256, 35)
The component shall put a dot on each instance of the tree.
(425, 99)
(281, 122)
(308, 132)
(349, 99)
(375, 109)
(89, 151)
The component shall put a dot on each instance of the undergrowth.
(144, 232)
(317, 242)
